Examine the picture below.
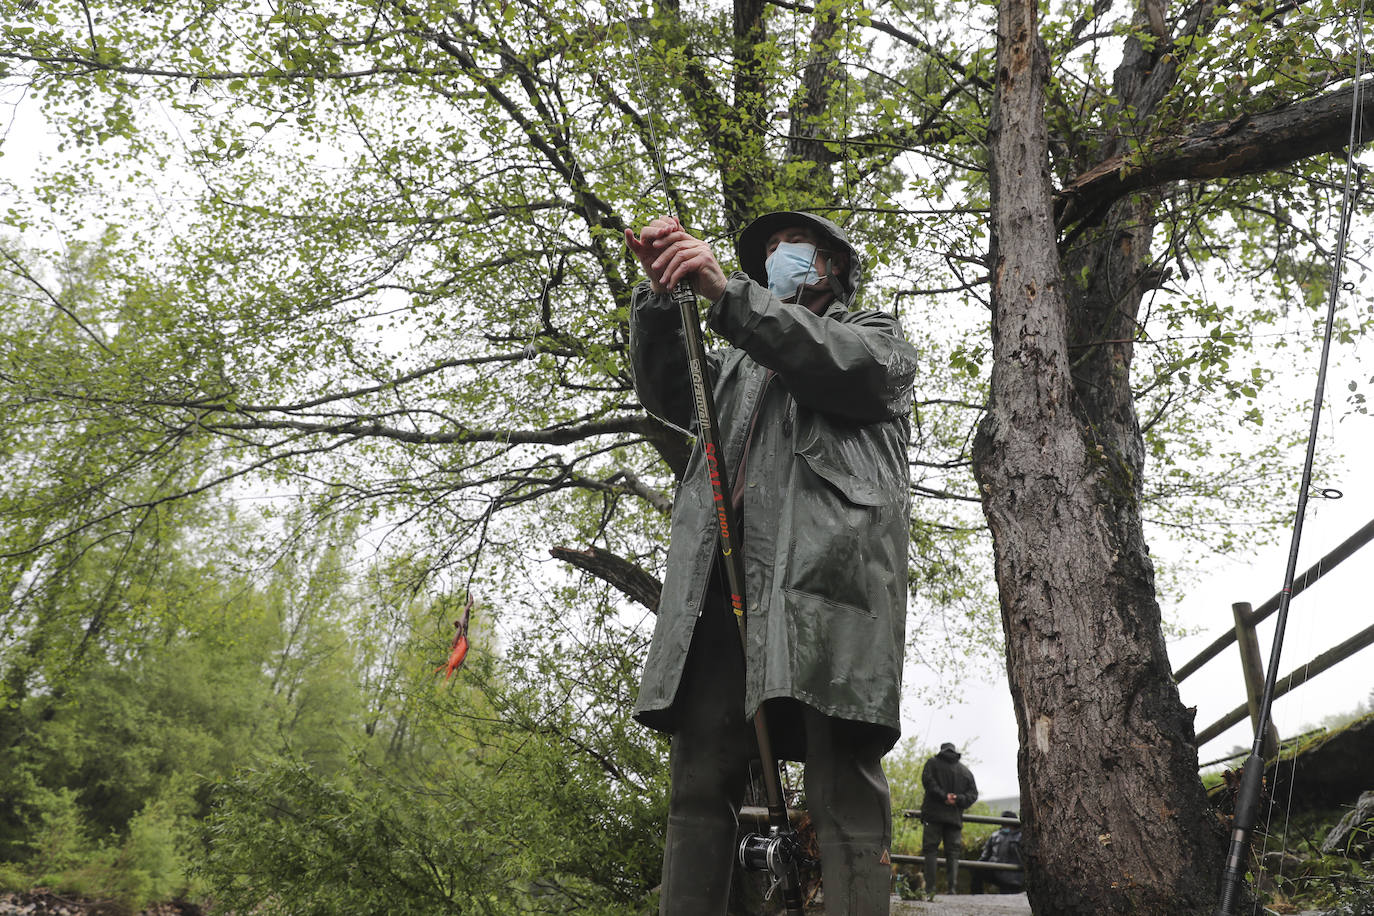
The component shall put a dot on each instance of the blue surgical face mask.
(790, 266)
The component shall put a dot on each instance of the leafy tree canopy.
(371, 252)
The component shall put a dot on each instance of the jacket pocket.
(834, 514)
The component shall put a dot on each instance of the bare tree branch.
(365, 427)
(1220, 149)
(619, 572)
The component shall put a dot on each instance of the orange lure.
(459, 652)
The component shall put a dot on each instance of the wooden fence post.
(1248, 643)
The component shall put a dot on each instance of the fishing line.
(1248, 795)
(1347, 215)
(779, 852)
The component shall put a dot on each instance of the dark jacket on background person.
(823, 401)
(1005, 846)
(944, 775)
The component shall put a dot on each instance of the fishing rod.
(1252, 772)
(778, 852)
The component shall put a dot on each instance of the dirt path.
(964, 905)
(983, 905)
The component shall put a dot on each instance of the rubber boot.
(698, 859)
(857, 881)
(952, 868)
(848, 797)
(708, 765)
(932, 868)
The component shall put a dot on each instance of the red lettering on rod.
(713, 473)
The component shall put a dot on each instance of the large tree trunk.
(1116, 819)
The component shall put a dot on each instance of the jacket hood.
(752, 241)
(949, 754)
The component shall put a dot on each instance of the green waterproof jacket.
(826, 498)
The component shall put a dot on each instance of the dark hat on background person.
(1011, 814)
(750, 245)
(949, 746)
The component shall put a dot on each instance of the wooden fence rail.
(899, 859)
(964, 863)
(1302, 675)
(972, 818)
(1315, 572)
(1243, 633)
(759, 814)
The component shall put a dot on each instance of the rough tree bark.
(631, 580)
(1116, 819)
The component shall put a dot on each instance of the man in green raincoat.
(814, 403)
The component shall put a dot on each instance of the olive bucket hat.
(752, 241)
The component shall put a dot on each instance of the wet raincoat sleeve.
(658, 357)
(859, 367)
(930, 781)
(966, 798)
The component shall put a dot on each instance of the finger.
(698, 255)
(657, 227)
(684, 265)
(676, 246)
(695, 269)
(639, 247)
(661, 259)
(672, 237)
(669, 274)
(670, 265)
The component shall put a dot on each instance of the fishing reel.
(778, 854)
(771, 853)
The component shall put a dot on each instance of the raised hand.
(670, 255)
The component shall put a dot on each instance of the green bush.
(145, 866)
(60, 845)
(903, 769)
(150, 864)
(13, 878)
(284, 838)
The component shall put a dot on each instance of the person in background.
(950, 790)
(1004, 846)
